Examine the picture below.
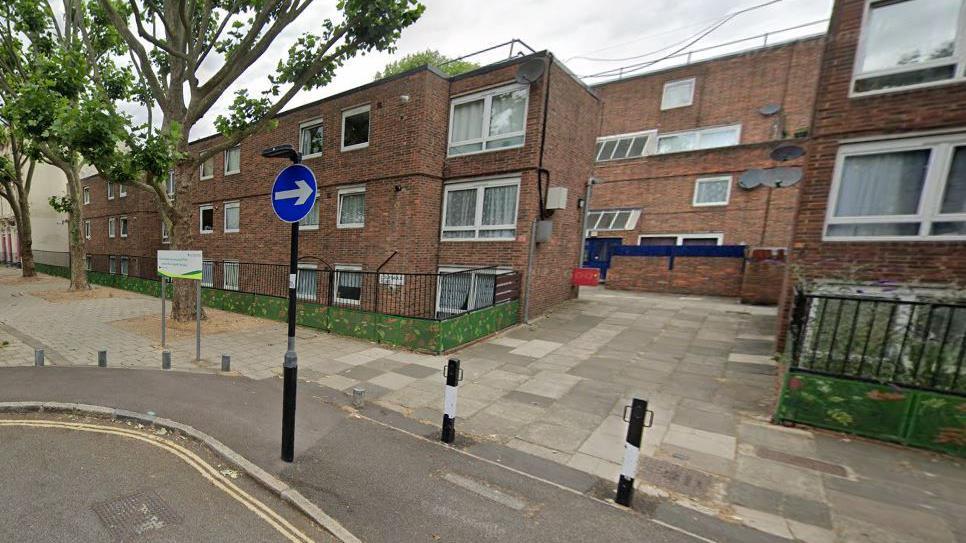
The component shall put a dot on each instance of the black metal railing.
(920, 344)
(437, 296)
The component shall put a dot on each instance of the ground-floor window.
(124, 265)
(112, 264)
(465, 289)
(208, 274)
(348, 285)
(306, 283)
(230, 279)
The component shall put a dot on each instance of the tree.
(169, 42)
(429, 57)
(16, 176)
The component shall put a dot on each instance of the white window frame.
(87, 229)
(335, 284)
(312, 123)
(692, 81)
(210, 282)
(300, 295)
(112, 264)
(111, 227)
(122, 226)
(224, 274)
(698, 133)
(88, 263)
(224, 225)
(711, 179)
(124, 266)
(472, 294)
(201, 169)
(110, 191)
(87, 195)
(122, 190)
(937, 176)
(201, 220)
(318, 216)
(718, 237)
(227, 171)
(169, 186)
(338, 214)
(487, 97)
(649, 148)
(958, 59)
(165, 235)
(348, 113)
(480, 185)
(630, 225)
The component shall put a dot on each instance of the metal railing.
(436, 296)
(918, 344)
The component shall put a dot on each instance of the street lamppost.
(290, 366)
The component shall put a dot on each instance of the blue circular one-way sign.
(293, 193)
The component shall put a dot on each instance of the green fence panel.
(477, 324)
(938, 422)
(312, 315)
(416, 334)
(351, 322)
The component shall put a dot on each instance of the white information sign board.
(180, 264)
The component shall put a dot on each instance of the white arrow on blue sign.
(293, 193)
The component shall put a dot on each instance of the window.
(487, 121)
(910, 43)
(352, 207)
(230, 279)
(899, 190)
(712, 191)
(612, 219)
(678, 94)
(680, 239)
(206, 217)
(110, 227)
(307, 283)
(207, 169)
(481, 210)
(232, 217)
(123, 227)
(124, 265)
(311, 221)
(87, 229)
(110, 191)
(310, 138)
(232, 160)
(165, 235)
(112, 264)
(355, 128)
(122, 190)
(87, 195)
(348, 284)
(208, 274)
(169, 185)
(88, 263)
(708, 138)
(461, 290)
(624, 146)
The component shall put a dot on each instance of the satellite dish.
(787, 152)
(781, 177)
(530, 71)
(751, 179)
(770, 109)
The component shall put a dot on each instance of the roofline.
(731, 56)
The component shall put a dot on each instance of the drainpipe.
(583, 232)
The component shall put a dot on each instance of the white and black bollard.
(453, 376)
(38, 357)
(166, 360)
(632, 450)
(101, 359)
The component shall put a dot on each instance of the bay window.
(484, 210)
(487, 121)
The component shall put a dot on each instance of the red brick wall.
(764, 273)
(709, 276)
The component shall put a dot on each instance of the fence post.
(166, 360)
(797, 324)
(39, 357)
(453, 377)
(632, 451)
(225, 362)
(102, 359)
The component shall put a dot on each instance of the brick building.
(884, 196)
(673, 145)
(418, 173)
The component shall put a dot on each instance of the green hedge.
(923, 419)
(418, 334)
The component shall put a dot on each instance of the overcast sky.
(571, 29)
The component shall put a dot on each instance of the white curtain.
(485, 284)
(681, 142)
(231, 217)
(454, 291)
(353, 208)
(305, 284)
(231, 275)
(207, 273)
(460, 207)
(719, 138)
(499, 205)
(883, 184)
(349, 285)
(507, 112)
(312, 219)
(712, 191)
(467, 121)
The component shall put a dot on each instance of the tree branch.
(134, 45)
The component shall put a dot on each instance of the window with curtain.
(306, 283)
(348, 284)
(900, 189)
(481, 210)
(110, 191)
(678, 94)
(311, 220)
(207, 170)
(123, 223)
(311, 139)
(124, 265)
(208, 274)
(352, 207)
(230, 272)
(112, 264)
(169, 184)
(462, 290)
(111, 227)
(232, 160)
(87, 229)
(712, 191)
(490, 120)
(232, 217)
(87, 195)
(707, 138)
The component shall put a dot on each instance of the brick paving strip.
(556, 389)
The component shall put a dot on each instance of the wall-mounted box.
(557, 198)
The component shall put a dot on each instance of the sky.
(584, 34)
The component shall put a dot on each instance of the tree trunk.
(26, 241)
(182, 236)
(75, 236)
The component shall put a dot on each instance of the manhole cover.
(675, 478)
(128, 517)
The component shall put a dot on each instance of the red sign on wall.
(585, 277)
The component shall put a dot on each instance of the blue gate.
(598, 251)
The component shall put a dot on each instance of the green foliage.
(61, 204)
(429, 57)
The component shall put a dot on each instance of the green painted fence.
(929, 420)
(424, 335)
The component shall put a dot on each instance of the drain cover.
(675, 478)
(128, 517)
